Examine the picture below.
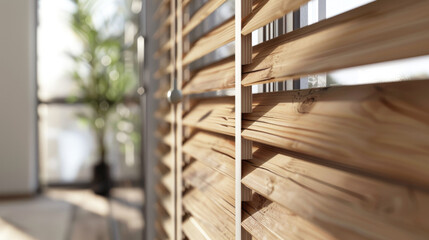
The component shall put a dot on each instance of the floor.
(73, 215)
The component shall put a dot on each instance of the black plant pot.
(101, 182)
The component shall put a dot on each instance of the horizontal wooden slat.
(160, 211)
(168, 160)
(162, 71)
(214, 185)
(167, 201)
(160, 231)
(162, 129)
(214, 150)
(347, 205)
(193, 230)
(267, 11)
(161, 190)
(219, 75)
(206, 212)
(162, 169)
(168, 138)
(214, 114)
(163, 6)
(380, 31)
(265, 219)
(161, 150)
(164, 48)
(162, 91)
(164, 27)
(165, 113)
(377, 129)
(381, 129)
(163, 117)
(168, 225)
(216, 38)
(186, 2)
(201, 14)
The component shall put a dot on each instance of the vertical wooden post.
(243, 104)
(179, 127)
(174, 126)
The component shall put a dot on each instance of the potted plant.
(102, 78)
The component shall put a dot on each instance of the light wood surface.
(162, 8)
(214, 150)
(265, 219)
(380, 31)
(219, 75)
(193, 230)
(202, 13)
(162, 71)
(267, 11)
(347, 205)
(206, 212)
(332, 123)
(164, 28)
(214, 185)
(380, 129)
(164, 48)
(216, 38)
(214, 114)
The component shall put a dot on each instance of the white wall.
(17, 97)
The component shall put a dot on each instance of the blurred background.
(71, 120)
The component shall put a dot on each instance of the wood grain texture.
(265, 219)
(193, 230)
(380, 129)
(214, 39)
(267, 11)
(206, 212)
(214, 185)
(219, 75)
(214, 150)
(380, 31)
(346, 205)
(213, 114)
(201, 14)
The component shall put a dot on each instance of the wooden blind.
(165, 134)
(345, 162)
